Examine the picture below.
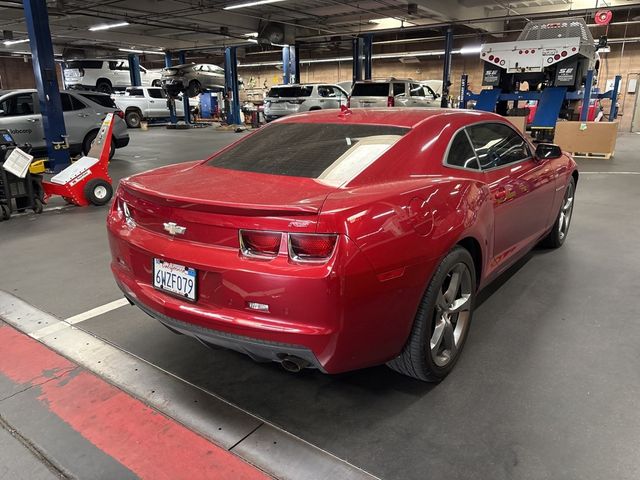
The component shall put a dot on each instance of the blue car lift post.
(231, 85)
(362, 57)
(549, 100)
(44, 68)
(182, 57)
(134, 70)
(173, 119)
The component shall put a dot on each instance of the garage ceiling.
(208, 26)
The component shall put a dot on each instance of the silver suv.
(192, 78)
(287, 99)
(393, 92)
(83, 114)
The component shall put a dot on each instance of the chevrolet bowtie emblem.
(174, 228)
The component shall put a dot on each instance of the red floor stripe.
(145, 441)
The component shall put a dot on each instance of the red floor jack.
(86, 181)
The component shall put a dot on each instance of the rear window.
(103, 100)
(289, 92)
(157, 93)
(83, 64)
(370, 90)
(333, 153)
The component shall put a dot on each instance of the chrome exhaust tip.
(293, 364)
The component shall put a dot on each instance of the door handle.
(83, 115)
(151, 101)
(32, 120)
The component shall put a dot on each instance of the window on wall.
(497, 144)
(461, 153)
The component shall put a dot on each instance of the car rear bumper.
(258, 350)
(338, 316)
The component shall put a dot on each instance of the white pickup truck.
(142, 103)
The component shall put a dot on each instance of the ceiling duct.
(272, 33)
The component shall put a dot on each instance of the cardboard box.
(519, 122)
(587, 138)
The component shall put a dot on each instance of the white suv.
(104, 75)
(392, 93)
(287, 99)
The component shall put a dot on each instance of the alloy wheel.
(566, 211)
(451, 315)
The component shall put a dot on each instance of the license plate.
(176, 279)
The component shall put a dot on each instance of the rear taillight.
(257, 243)
(390, 101)
(119, 113)
(304, 247)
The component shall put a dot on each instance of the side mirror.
(548, 151)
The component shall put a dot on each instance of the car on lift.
(341, 240)
(104, 75)
(284, 100)
(192, 78)
(83, 113)
(394, 92)
(145, 103)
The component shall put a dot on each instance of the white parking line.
(609, 173)
(94, 312)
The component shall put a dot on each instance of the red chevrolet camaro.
(341, 240)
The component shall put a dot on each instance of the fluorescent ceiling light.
(252, 40)
(390, 22)
(135, 50)
(13, 42)
(107, 26)
(250, 4)
(24, 52)
(252, 34)
(379, 56)
(471, 49)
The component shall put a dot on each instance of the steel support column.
(286, 65)
(357, 58)
(44, 68)
(464, 85)
(182, 58)
(367, 44)
(446, 70)
(231, 85)
(586, 98)
(134, 69)
(296, 63)
(171, 102)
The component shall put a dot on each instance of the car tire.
(5, 211)
(104, 86)
(133, 118)
(88, 140)
(98, 191)
(560, 230)
(439, 332)
(194, 88)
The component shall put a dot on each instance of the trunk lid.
(214, 203)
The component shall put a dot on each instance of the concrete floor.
(547, 386)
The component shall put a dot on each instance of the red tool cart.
(86, 181)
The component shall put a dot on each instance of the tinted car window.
(69, 103)
(21, 104)
(416, 90)
(157, 93)
(96, 64)
(370, 90)
(135, 92)
(103, 100)
(497, 144)
(398, 88)
(309, 148)
(290, 92)
(461, 154)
